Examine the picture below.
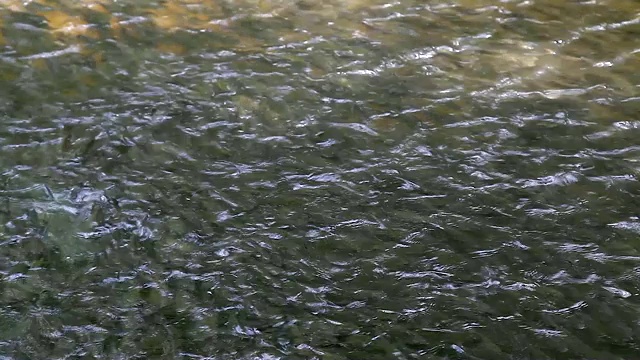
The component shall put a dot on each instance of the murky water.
(320, 180)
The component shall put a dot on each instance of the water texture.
(343, 179)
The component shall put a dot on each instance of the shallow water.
(288, 180)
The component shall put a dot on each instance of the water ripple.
(274, 180)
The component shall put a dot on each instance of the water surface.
(345, 179)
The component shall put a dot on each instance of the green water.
(319, 180)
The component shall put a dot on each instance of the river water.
(341, 179)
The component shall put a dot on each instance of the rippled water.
(319, 180)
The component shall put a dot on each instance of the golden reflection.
(39, 64)
(186, 14)
(171, 48)
(385, 123)
(64, 24)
